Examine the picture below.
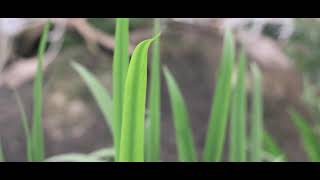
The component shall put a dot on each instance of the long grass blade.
(238, 143)
(153, 131)
(184, 137)
(221, 100)
(119, 73)
(24, 121)
(37, 129)
(309, 139)
(99, 92)
(133, 116)
(257, 115)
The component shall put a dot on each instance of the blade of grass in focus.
(256, 116)
(133, 114)
(100, 94)
(309, 139)
(153, 131)
(119, 73)
(24, 121)
(238, 143)
(37, 139)
(184, 138)
(270, 146)
(221, 100)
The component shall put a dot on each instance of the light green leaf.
(153, 131)
(119, 73)
(99, 92)
(133, 115)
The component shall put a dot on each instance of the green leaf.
(184, 138)
(309, 139)
(119, 73)
(270, 146)
(153, 131)
(221, 100)
(25, 125)
(100, 94)
(257, 116)
(133, 115)
(37, 139)
(238, 143)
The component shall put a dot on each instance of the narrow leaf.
(184, 138)
(238, 142)
(24, 121)
(257, 116)
(153, 131)
(133, 116)
(219, 113)
(119, 73)
(100, 94)
(37, 128)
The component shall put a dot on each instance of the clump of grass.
(184, 137)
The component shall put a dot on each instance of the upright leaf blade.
(153, 131)
(309, 139)
(24, 121)
(100, 94)
(133, 115)
(221, 100)
(119, 73)
(257, 116)
(238, 142)
(37, 128)
(184, 138)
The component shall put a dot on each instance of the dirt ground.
(73, 123)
